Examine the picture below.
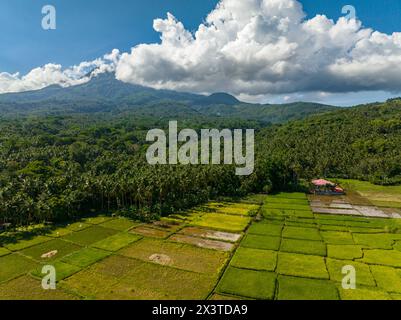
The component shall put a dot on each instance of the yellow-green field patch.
(390, 258)
(14, 265)
(117, 241)
(316, 248)
(293, 264)
(85, 257)
(301, 233)
(292, 288)
(63, 270)
(4, 251)
(121, 224)
(256, 259)
(265, 229)
(223, 222)
(363, 274)
(248, 283)
(177, 255)
(90, 235)
(344, 252)
(361, 293)
(261, 242)
(387, 278)
(27, 288)
(58, 247)
(26, 243)
(337, 237)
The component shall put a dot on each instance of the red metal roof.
(322, 182)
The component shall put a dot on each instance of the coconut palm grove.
(317, 218)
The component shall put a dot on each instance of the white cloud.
(52, 74)
(258, 50)
(254, 48)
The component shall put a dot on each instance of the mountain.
(105, 94)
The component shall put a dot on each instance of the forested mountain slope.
(362, 142)
(104, 95)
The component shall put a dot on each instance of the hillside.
(362, 142)
(106, 95)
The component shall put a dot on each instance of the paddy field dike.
(273, 247)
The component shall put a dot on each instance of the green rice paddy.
(285, 252)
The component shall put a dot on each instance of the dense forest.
(90, 157)
(56, 168)
(362, 142)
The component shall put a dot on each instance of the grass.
(288, 195)
(4, 251)
(390, 258)
(290, 254)
(89, 284)
(301, 233)
(363, 294)
(265, 229)
(26, 243)
(117, 241)
(387, 278)
(238, 209)
(97, 219)
(333, 228)
(375, 241)
(127, 279)
(248, 283)
(387, 196)
(223, 222)
(344, 252)
(287, 206)
(14, 265)
(261, 242)
(27, 288)
(300, 265)
(151, 281)
(63, 270)
(121, 224)
(363, 274)
(291, 288)
(63, 248)
(58, 232)
(177, 255)
(271, 199)
(85, 257)
(256, 259)
(337, 237)
(254, 198)
(90, 235)
(78, 226)
(303, 246)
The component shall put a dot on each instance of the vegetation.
(360, 142)
(69, 152)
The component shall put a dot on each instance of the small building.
(326, 187)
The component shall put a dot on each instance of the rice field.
(180, 257)
(296, 254)
(269, 247)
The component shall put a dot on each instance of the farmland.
(263, 247)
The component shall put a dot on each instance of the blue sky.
(88, 29)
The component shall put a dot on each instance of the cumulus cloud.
(52, 74)
(254, 48)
